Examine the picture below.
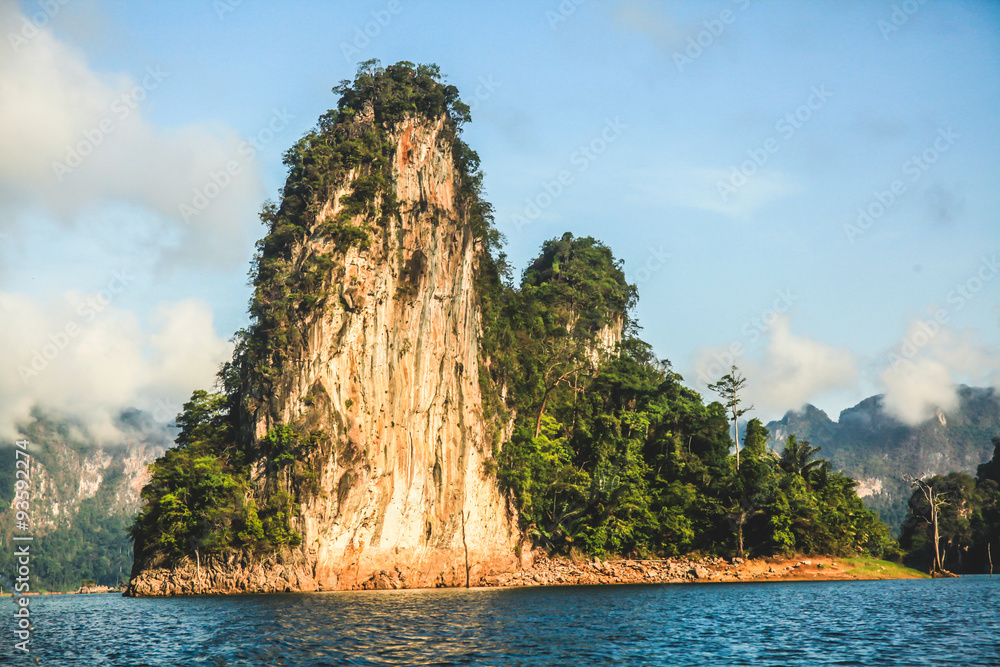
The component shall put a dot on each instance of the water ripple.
(941, 622)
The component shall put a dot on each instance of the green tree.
(991, 469)
(797, 457)
(755, 439)
(198, 499)
(751, 489)
(729, 387)
(550, 491)
(570, 296)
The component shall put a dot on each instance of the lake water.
(915, 622)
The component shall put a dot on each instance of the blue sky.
(723, 150)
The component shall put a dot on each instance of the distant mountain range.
(877, 450)
(84, 494)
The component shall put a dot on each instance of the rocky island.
(401, 413)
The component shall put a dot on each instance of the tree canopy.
(968, 517)
(611, 453)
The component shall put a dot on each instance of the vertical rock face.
(354, 413)
(390, 374)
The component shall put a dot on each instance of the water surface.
(913, 622)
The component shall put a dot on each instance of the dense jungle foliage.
(611, 454)
(199, 499)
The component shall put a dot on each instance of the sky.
(807, 190)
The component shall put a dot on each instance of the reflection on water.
(939, 622)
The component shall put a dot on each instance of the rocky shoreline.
(554, 572)
(215, 578)
(91, 589)
(224, 576)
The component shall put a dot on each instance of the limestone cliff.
(391, 374)
(381, 366)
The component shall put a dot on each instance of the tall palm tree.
(795, 459)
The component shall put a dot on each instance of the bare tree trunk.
(736, 426)
(739, 534)
(934, 501)
(937, 539)
(541, 411)
(464, 544)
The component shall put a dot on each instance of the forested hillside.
(612, 454)
(84, 496)
(872, 447)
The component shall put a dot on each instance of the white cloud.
(922, 374)
(788, 373)
(796, 369)
(926, 366)
(74, 139)
(70, 358)
(915, 390)
(185, 347)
